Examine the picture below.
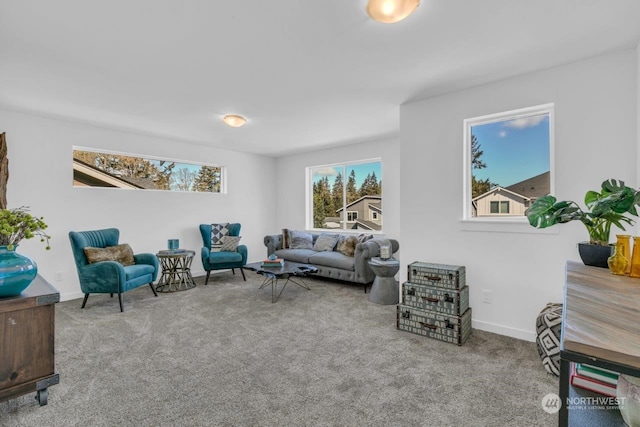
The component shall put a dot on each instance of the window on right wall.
(507, 162)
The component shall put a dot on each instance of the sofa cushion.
(364, 237)
(286, 238)
(295, 255)
(301, 240)
(325, 242)
(347, 245)
(333, 259)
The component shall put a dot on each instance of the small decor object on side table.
(385, 251)
(635, 258)
(617, 262)
(625, 240)
(18, 271)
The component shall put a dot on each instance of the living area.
(594, 86)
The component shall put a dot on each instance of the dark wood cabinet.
(27, 334)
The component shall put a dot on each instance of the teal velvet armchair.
(109, 277)
(223, 260)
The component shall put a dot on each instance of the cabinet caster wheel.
(41, 396)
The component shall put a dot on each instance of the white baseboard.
(79, 294)
(504, 330)
(71, 295)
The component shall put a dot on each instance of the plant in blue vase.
(18, 271)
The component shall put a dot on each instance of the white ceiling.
(307, 74)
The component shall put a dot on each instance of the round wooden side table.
(176, 271)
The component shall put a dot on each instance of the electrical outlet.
(58, 276)
(486, 296)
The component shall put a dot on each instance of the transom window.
(118, 170)
(340, 196)
(507, 162)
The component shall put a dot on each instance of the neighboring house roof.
(375, 207)
(361, 198)
(141, 182)
(332, 222)
(495, 190)
(532, 188)
(92, 176)
(366, 224)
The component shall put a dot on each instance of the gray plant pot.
(594, 255)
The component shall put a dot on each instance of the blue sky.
(514, 150)
(361, 169)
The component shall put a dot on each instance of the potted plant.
(18, 271)
(608, 207)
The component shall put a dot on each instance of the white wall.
(40, 165)
(290, 173)
(595, 139)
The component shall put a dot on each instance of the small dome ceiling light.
(234, 120)
(390, 11)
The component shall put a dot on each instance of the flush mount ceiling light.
(234, 120)
(390, 11)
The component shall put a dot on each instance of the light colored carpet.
(225, 355)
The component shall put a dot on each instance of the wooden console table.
(600, 324)
(27, 326)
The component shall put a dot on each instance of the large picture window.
(116, 170)
(346, 196)
(508, 162)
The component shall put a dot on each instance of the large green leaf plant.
(607, 207)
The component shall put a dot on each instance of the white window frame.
(309, 194)
(374, 215)
(350, 215)
(502, 223)
(223, 169)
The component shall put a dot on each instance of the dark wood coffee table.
(290, 272)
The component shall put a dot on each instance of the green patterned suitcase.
(436, 299)
(441, 275)
(451, 329)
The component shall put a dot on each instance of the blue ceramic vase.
(16, 272)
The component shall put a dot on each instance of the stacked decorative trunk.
(435, 303)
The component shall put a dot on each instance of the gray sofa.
(333, 264)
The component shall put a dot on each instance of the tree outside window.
(356, 186)
(114, 170)
(508, 156)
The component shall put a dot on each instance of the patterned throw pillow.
(230, 243)
(364, 237)
(286, 238)
(347, 245)
(325, 242)
(121, 253)
(218, 231)
(301, 240)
